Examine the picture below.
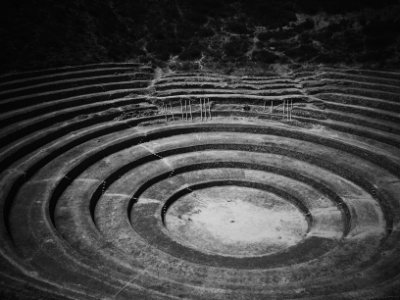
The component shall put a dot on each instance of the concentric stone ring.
(109, 193)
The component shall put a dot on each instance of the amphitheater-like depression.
(120, 184)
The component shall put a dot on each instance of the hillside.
(47, 33)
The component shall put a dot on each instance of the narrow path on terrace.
(119, 184)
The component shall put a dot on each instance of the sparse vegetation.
(47, 33)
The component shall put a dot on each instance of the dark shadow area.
(37, 34)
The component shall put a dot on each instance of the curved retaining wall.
(115, 185)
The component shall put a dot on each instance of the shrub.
(265, 56)
(236, 47)
(238, 27)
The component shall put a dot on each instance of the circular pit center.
(235, 221)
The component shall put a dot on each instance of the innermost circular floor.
(235, 221)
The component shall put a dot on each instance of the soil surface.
(234, 221)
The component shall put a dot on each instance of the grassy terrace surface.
(116, 183)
